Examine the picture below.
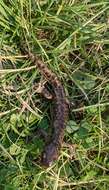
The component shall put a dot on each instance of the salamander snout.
(49, 155)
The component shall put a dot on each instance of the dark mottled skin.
(52, 149)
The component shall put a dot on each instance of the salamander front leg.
(38, 133)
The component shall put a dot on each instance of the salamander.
(61, 110)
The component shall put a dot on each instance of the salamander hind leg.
(41, 89)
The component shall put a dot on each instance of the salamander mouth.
(47, 164)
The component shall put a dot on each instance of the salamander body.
(61, 110)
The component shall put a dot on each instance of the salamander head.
(49, 155)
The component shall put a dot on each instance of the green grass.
(72, 37)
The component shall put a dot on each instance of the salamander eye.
(44, 155)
